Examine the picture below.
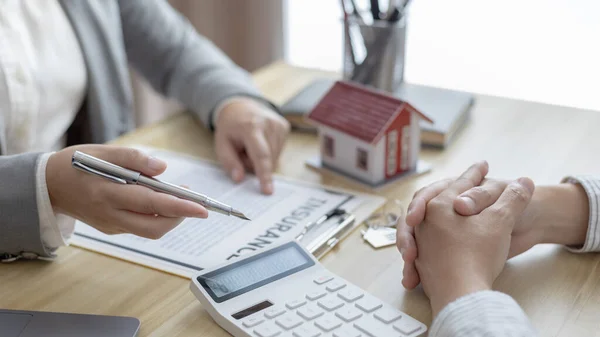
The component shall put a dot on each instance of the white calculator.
(285, 291)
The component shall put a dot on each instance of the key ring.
(388, 217)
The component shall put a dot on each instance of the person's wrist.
(452, 288)
(559, 214)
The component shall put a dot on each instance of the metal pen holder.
(374, 54)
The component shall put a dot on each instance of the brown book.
(449, 109)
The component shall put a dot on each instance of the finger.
(513, 200)
(418, 206)
(273, 141)
(229, 157)
(132, 159)
(472, 177)
(147, 226)
(405, 241)
(260, 155)
(143, 200)
(479, 198)
(410, 276)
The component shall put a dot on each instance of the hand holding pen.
(112, 207)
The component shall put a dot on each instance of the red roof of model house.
(359, 111)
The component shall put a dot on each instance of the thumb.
(230, 159)
(514, 199)
(132, 159)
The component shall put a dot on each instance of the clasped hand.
(457, 234)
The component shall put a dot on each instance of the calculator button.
(288, 321)
(407, 325)
(373, 328)
(336, 285)
(267, 330)
(310, 312)
(307, 330)
(328, 323)
(252, 321)
(331, 303)
(388, 315)
(274, 312)
(368, 304)
(295, 304)
(350, 294)
(348, 313)
(346, 332)
(323, 279)
(315, 295)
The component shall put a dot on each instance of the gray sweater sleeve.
(165, 48)
(19, 220)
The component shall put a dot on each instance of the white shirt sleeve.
(55, 229)
(591, 185)
(484, 313)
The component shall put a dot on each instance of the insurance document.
(200, 243)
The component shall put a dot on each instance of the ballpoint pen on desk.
(319, 221)
(121, 175)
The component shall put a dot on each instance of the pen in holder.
(374, 53)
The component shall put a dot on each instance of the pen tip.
(239, 214)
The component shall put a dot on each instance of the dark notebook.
(449, 109)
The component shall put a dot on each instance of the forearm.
(560, 214)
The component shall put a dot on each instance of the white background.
(537, 50)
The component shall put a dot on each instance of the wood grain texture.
(559, 290)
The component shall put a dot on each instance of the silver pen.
(121, 175)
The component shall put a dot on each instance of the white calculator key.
(350, 294)
(388, 315)
(328, 323)
(253, 321)
(368, 304)
(288, 321)
(336, 285)
(274, 312)
(331, 303)
(310, 312)
(323, 279)
(267, 330)
(307, 330)
(315, 295)
(373, 328)
(295, 304)
(407, 325)
(347, 332)
(348, 313)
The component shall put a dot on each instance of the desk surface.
(559, 291)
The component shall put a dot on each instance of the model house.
(366, 133)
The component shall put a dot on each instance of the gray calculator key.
(328, 323)
(373, 328)
(331, 303)
(350, 294)
(295, 304)
(407, 325)
(288, 321)
(274, 312)
(267, 330)
(388, 315)
(336, 285)
(323, 279)
(315, 295)
(368, 304)
(348, 313)
(307, 330)
(347, 332)
(310, 312)
(252, 321)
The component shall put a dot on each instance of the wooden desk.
(560, 291)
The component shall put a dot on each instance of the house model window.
(362, 158)
(328, 146)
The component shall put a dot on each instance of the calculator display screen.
(243, 276)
